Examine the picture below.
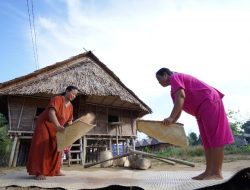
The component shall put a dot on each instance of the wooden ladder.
(75, 154)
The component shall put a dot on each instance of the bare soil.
(232, 163)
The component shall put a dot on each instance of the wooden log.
(114, 158)
(171, 159)
(163, 160)
(151, 156)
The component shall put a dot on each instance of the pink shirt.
(196, 91)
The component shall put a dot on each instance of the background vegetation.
(5, 142)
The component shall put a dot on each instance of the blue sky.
(205, 38)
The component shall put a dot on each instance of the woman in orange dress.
(44, 159)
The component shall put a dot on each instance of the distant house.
(116, 107)
(152, 144)
(242, 140)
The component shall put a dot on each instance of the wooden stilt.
(84, 150)
(133, 143)
(16, 153)
(117, 148)
(13, 151)
(110, 144)
(81, 151)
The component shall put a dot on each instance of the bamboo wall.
(23, 113)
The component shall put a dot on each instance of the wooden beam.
(21, 114)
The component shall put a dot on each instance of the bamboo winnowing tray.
(73, 132)
(173, 133)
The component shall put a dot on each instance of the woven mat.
(173, 134)
(148, 180)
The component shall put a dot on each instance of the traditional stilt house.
(116, 107)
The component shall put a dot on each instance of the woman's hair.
(164, 71)
(69, 88)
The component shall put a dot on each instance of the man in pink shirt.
(205, 103)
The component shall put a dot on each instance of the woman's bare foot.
(60, 174)
(40, 177)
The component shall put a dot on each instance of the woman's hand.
(168, 121)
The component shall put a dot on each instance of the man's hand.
(168, 121)
(60, 128)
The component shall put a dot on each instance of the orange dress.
(44, 159)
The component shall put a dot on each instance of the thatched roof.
(85, 71)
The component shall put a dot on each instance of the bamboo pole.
(163, 160)
(114, 158)
(171, 159)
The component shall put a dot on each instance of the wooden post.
(133, 143)
(13, 150)
(117, 148)
(16, 153)
(84, 149)
(9, 112)
(110, 144)
(81, 150)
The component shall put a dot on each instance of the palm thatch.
(85, 71)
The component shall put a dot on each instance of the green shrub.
(233, 149)
(5, 142)
(183, 153)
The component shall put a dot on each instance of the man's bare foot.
(213, 177)
(60, 174)
(40, 177)
(201, 176)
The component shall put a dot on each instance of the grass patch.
(192, 153)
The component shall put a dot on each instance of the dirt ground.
(232, 163)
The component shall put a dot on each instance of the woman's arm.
(54, 120)
(178, 105)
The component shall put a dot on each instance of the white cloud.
(135, 38)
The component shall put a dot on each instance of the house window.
(113, 118)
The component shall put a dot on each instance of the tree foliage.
(235, 122)
(3, 120)
(193, 139)
(246, 127)
(5, 141)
